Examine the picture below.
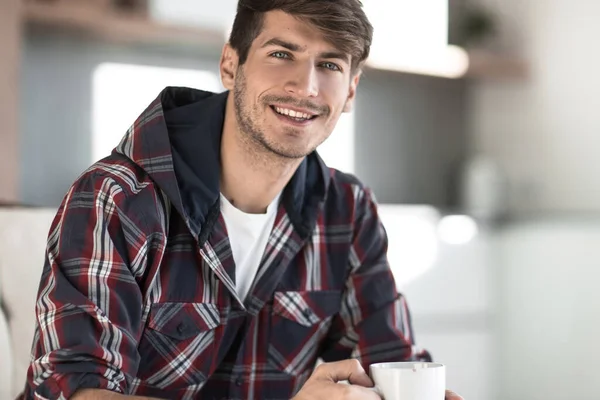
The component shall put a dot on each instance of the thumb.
(349, 370)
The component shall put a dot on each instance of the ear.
(228, 66)
(352, 92)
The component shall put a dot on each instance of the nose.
(304, 82)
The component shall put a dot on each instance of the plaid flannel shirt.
(137, 294)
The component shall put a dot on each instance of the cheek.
(271, 78)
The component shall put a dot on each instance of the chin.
(292, 153)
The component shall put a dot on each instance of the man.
(213, 254)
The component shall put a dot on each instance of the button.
(239, 381)
(181, 328)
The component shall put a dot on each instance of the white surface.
(440, 263)
(457, 229)
(407, 25)
(469, 358)
(412, 36)
(451, 300)
(23, 234)
(6, 357)
(410, 381)
(458, 283)
(449, 62)
(338, 150)
(412, 239)
(549, 326)
(544, 131)
(513, 314)
(204, 13)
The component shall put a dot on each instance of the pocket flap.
(183, 320)
(307, 307)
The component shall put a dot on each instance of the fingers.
(450, 395)
(360, 393)
(323, 383)
(349, 370)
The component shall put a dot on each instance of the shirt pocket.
(176, 347)
(299, 322)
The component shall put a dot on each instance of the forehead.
(285, 26)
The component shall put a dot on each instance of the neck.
(251, 175)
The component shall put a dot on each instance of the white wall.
(548, 323)
(545, 131)
(450, 293)
(514, 313)
(453, 308)
(206, 13)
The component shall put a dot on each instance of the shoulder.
(348, 194)
(115, 185)
(118, 170)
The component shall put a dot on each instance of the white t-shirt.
(248, 237)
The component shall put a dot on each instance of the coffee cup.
(409, 380)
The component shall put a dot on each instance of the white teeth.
(292, 113)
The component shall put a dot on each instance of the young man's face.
(290, 92)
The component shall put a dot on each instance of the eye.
(280, 54)
(331, 66)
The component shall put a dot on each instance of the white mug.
(409, 380)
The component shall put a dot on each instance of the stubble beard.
(251, 134)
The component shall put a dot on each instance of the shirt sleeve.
(374, 322)
(89, 304)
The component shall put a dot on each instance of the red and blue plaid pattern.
(133, 300)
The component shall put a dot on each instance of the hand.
(452, 396)
(322, 384)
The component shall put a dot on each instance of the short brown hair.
(343, 22)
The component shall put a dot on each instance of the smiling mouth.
(293, 115)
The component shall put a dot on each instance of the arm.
(89, 306)
(374, 323)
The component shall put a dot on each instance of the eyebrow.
(295, 47)
(282, 43)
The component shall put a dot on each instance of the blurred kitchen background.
(476, 124)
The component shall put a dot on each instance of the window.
(412, 36)
(407, 26)
(122, 91)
